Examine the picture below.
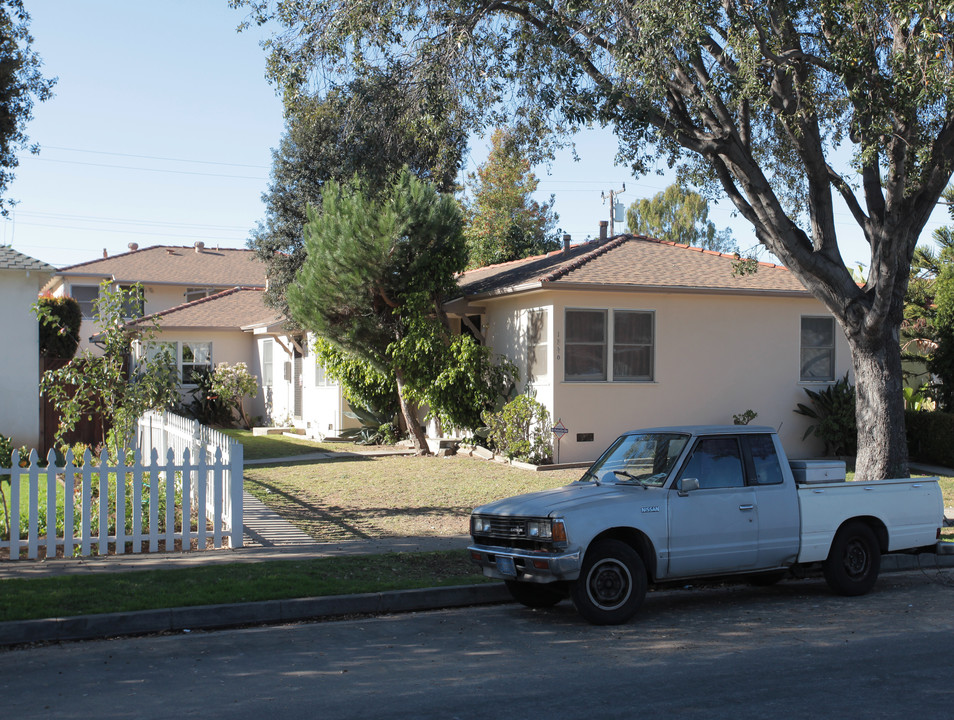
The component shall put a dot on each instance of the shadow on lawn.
(335, 523)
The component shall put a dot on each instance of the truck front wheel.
(612, 583)
(853, 561)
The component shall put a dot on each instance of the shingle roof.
(10, 259)
(227, 310)
(629, 262)
(177, 265)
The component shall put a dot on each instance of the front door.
(713, 529)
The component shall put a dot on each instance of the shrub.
(929, 437)
(60, 319)
(834, 410)
(522, 431)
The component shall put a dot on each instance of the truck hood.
(559, 501)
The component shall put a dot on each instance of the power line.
(155, 157)
(145, 169)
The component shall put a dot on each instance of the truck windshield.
(641, 459)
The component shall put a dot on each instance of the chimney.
(105, 254)
(604, 224)
(199, 245)
(133, 247)
(566, 242)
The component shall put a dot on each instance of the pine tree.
(503, 222)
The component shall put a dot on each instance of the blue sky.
(162, 127)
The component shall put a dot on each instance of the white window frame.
(268, 362)
(609, 345)
(182, 363)
(538, 355)
(802, 348)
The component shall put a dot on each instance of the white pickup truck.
(669, 504)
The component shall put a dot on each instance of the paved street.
(793, 651)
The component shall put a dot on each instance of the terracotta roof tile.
(177, 265)
(633, 261)
(229, 309)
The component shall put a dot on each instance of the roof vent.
(199, 245)
(170, 251)
(105, 254)
(133, 247)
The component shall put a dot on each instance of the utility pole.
(613, 194)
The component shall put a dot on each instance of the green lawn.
(262, 447)
(63, 596)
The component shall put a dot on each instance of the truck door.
(715, 528)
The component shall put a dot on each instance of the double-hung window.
(196, 359)
(817, 356)
(268, 367)
(595, 336)
(86, 296)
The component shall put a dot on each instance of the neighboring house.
(170, 276)
(21, 278)
(629, 332)
(206, 332)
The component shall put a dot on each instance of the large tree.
(504, 222)
(679, 215)
(378, 266)
(760, 100)
(371, 127)
(21, 84)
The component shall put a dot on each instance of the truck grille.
(510, 532)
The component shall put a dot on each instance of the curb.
(209, 617)
(215, 617)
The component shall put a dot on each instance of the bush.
(522, 431)
(834, 410)
(929, 437)
(60, 319)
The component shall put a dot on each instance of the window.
(134, 305)
(765, 465)
(537, 344)
(86, 296)
(817, 360)
(716, 463)
(588, 335)
(193, 294)
(268, 350)
(585, 345)
(196, 358)
(632, 345)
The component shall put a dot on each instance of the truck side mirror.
(687, 485)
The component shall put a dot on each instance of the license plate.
(506, 567)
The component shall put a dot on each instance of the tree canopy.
(750, 100)
(504, 222)
(371, 127)
(377, 268)
(21, 84)
(679, 215)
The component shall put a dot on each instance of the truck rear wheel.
(535, 595)
(853, 561)
(612, 583)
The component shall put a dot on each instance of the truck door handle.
(746, 507)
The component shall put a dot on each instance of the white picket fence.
(186, 494)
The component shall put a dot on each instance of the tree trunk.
(410, 417)
(879, 405)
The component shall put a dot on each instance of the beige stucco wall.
(20, 357)
(715, 356)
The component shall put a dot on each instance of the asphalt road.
(790, 651)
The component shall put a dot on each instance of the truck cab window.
(765, 467)
(716, 462)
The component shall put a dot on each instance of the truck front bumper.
(526, 566)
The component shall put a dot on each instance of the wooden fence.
(182, 496)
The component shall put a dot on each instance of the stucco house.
(170, 275)
(21, 278)
(629, 331)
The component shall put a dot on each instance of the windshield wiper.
(592, 475)
(632, 477)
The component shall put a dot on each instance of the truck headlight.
(479, 525)
(539, 529)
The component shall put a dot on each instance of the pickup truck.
(676, 503)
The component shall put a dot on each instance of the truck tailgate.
(910, 509)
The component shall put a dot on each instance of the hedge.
(931, 437)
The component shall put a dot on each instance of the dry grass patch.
(362, 498)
